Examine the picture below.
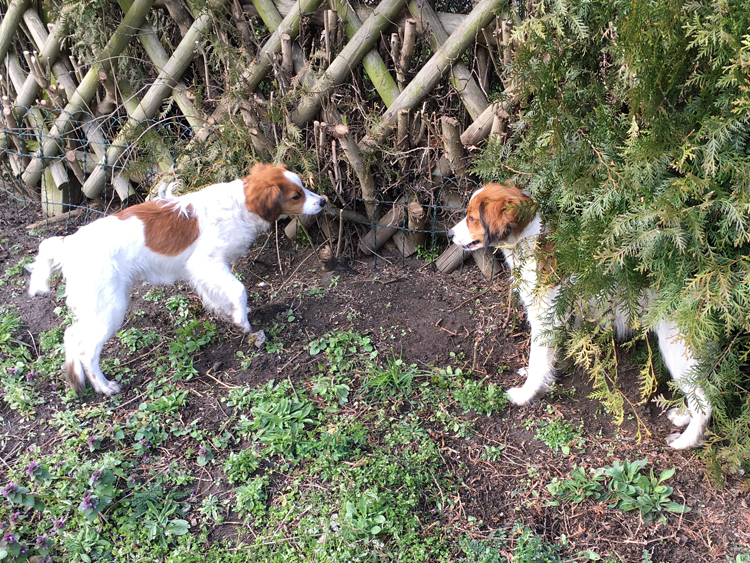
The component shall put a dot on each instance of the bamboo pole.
(480, 129)
(160, 58)
(49, 53)
(10, 22)
(357, 162)
(407, 51)
(86, 90)
(147, 108)
(55, 186)
(471, 94)
(449, 21)
(427, 78)
(454, 149)
(290, 24)
(451, 259)
(40, 37)
(384, 229)
(357, 47)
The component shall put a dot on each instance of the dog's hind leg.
(74, 373)
(90, 355)
(680, 363)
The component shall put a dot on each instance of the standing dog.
(496, 216)
(192, 238)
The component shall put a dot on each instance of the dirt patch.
(433, 320)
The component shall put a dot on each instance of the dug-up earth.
(432, 320)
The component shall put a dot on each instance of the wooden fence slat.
(463, 81)
(349, 56)
(10, 22)
(159, 57)
(147, 108)
(480, 129)
(372, 62)
(55, 185)
(290, 24)
(427, 78)
(49, 53)
(87, 89)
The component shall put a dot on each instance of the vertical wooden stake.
(402, 130)
(287, 63)
(407, 51)
(452, 145)
(395, 55)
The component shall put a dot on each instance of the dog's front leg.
(539, 373)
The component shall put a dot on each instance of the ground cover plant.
(372, 426)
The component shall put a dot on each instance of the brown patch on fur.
(269, 194)
(546, 262)
(72, 378)
(167, 231)
(497, 211)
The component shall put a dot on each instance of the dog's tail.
(47, 261)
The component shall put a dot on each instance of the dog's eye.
(299, 195)
(470, 218)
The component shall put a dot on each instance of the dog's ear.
(265, 201)
(497, 218)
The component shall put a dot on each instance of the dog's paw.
(520, 395)
(679, 417)
(112, 388)
(685, 440)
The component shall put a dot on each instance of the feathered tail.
(47, 261)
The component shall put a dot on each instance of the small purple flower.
(9, 489)
(95, 476)
(33, 465)
(42, 541)
(86, 501)
(14, 371)
(9, 538)
(91, 441)
(58, 524)
(202, 451)
(13, 518)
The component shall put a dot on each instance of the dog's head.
(272, 191)
(495, 213)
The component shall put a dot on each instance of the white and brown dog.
(498, 215)
(192, 238)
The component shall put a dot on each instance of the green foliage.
(559, 434)
(481, 396)
(135, 339)
(240, 465)
(628, 489)
(633, 136)
(251, 498)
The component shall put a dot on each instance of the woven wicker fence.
(389, 104)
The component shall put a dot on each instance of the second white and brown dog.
(192, 238)
(498, 215)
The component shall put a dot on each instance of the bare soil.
(429, 319)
